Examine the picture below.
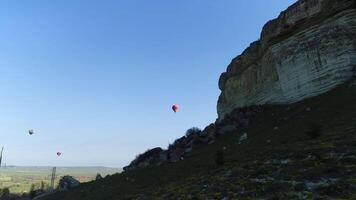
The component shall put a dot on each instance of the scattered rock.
(243, 138)
(284, 162)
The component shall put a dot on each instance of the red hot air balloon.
(31, 132)
(175, 108)
(59, 153)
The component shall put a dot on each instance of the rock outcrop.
(309, 49)
(153, 156)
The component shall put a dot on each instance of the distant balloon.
(175, 108)
(31, 132)
(59, 153)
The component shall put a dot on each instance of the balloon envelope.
(175, 108)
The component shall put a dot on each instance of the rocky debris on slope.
(308, 50)
(315, 173)
(238, 119)
(150, 157)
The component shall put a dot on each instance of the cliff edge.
(308, 50)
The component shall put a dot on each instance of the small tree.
(192, 131)
(42, 188)
(98, 176)
(4, 193)
(32, 192)
(219, 158)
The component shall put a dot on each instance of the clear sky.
(96, 79)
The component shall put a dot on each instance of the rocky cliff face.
(309, 49)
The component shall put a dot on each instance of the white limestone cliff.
(309, 49)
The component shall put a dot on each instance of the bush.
(219, 158)
(192, 131)
(314, 131)
(98, 176)
(32, 192)
(43, 186)
(4, 193)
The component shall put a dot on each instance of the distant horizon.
(96, 81)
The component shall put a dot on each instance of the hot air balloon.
(175, 108)
(31, 131)
(59, 153)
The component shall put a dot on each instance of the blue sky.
(96, 79)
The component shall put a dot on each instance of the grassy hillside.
(19, 179)
(301, 151)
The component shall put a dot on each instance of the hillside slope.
(305, 150)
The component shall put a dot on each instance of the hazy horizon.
(96, 79)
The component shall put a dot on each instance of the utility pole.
(2, 149)
(53, 177)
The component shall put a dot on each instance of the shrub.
(43, 186)
(192, 131)
(4, 193)
(32, 191)
(219, 158)
(314, 131)
(98, 176)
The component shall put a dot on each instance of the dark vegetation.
(284, 157)
(98, 177)
(314, 130)
(4, 193)
(32, 192)
(192, 131)
(219, 158)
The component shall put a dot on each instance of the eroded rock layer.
(309, 49)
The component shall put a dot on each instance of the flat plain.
(19, 178)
